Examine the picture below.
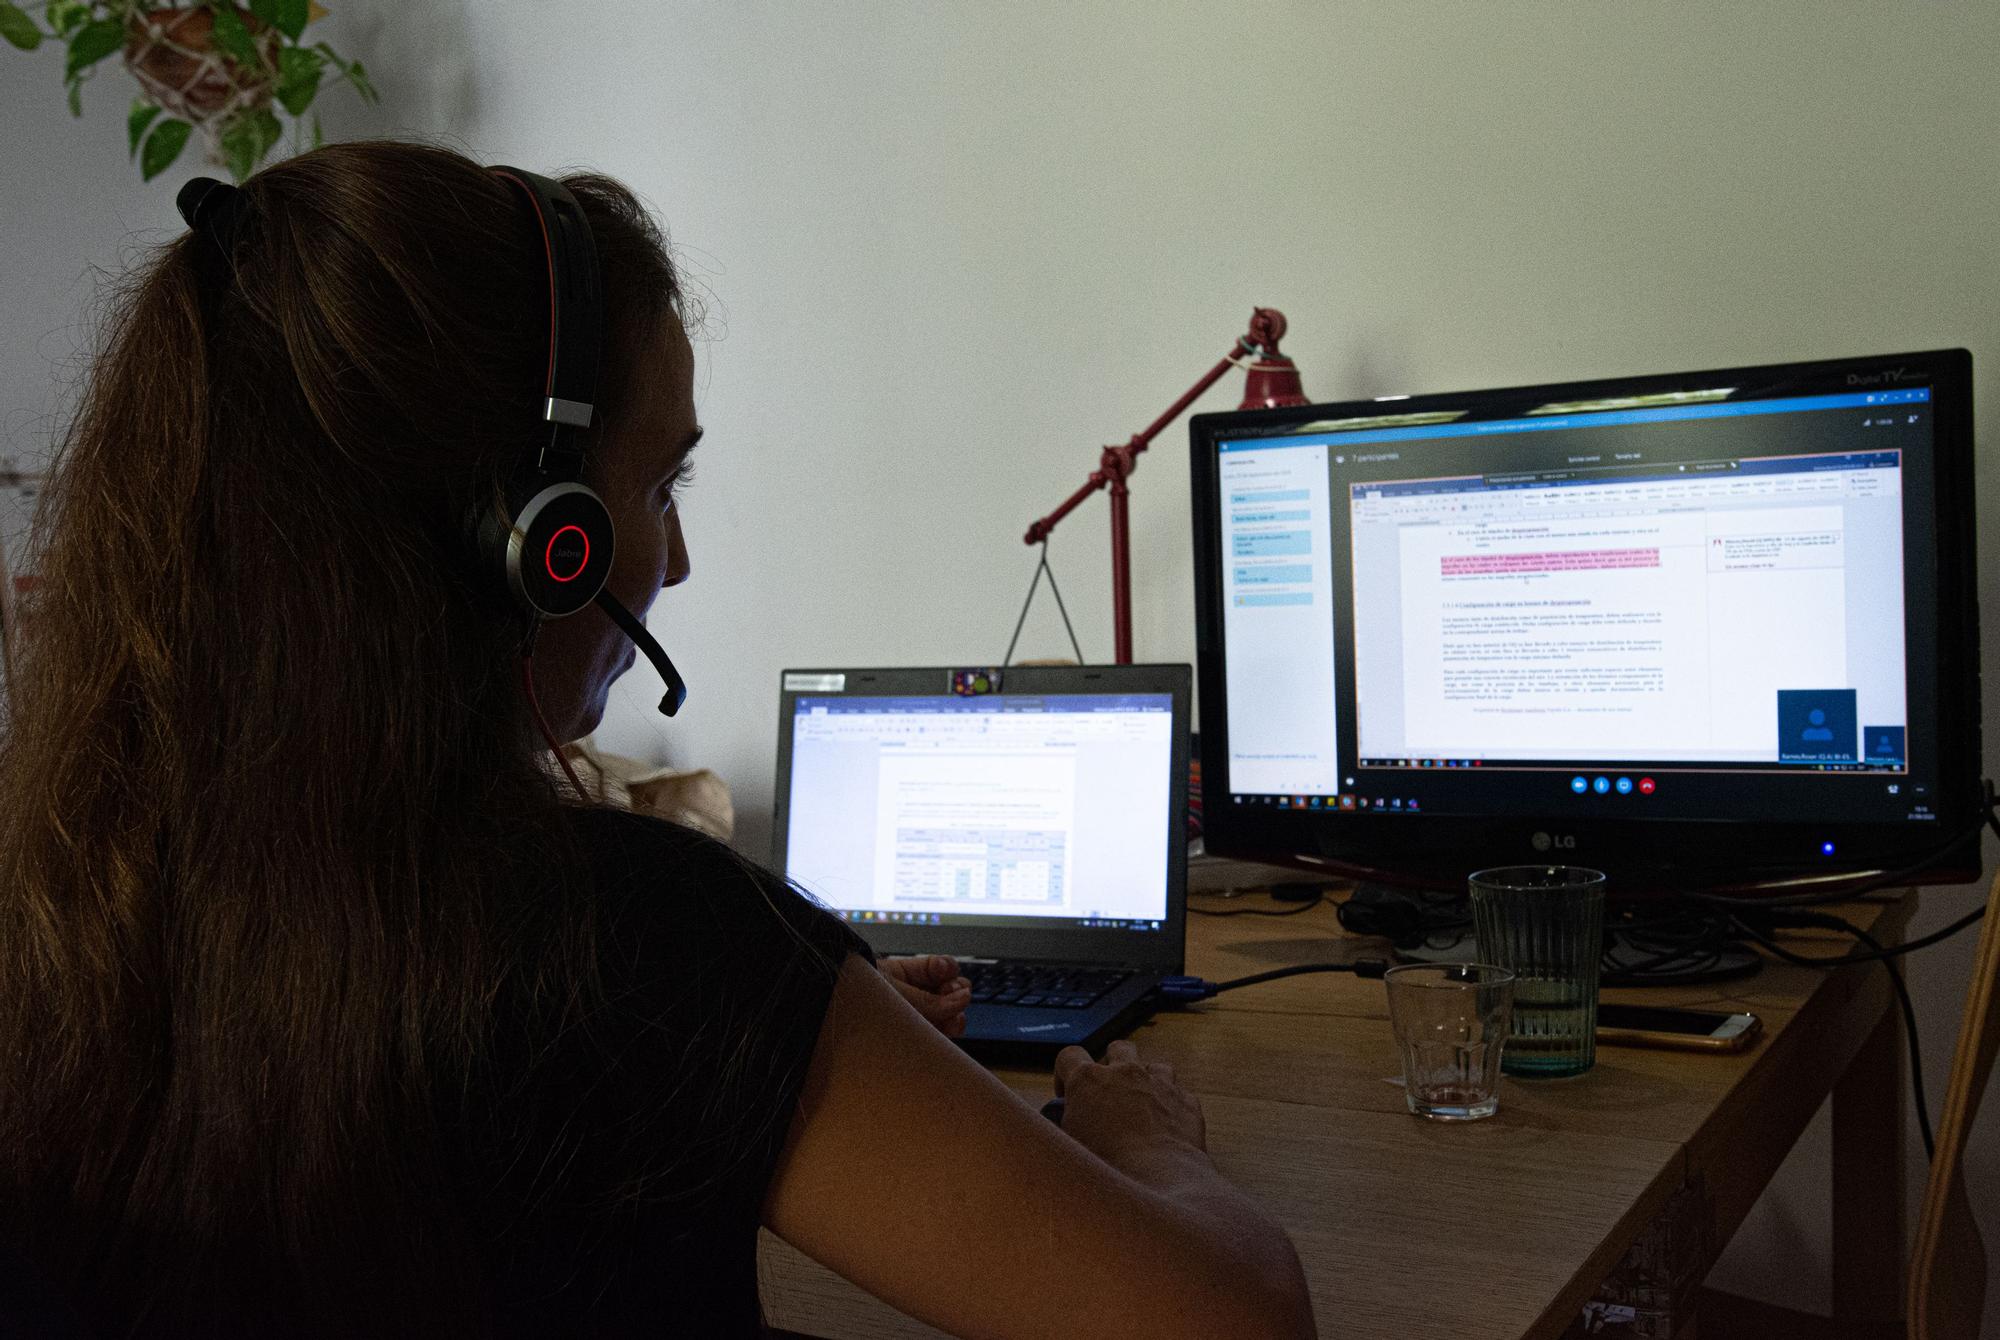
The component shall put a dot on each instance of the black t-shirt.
(618, 1175)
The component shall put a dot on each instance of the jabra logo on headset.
(568, 553)
(1553, 841)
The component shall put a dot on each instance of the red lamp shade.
(1273, 379)
(1272, 382)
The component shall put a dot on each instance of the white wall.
(955, 248)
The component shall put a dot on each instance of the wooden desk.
(1501, 1228)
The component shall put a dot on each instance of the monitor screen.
(1579, 616)
(995, 810)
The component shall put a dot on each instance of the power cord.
(1768, 915)
(1886, 957)
(1409, 919)
(1848, 892)
(1757, 923)
(1679, 944)
(1910, 1031)
(1305, 896)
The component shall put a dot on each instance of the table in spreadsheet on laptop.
(1292, 1078)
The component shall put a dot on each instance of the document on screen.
(1648, 636)
(995, 837)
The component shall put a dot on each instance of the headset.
(554, 542)
(550, 539)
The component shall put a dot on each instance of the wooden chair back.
(1947, 1289)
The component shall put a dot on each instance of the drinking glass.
(1546, 923)
(1451, 1026)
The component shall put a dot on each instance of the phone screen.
(1654, 1019)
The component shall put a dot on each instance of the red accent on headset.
(549, 253)
(549, 554)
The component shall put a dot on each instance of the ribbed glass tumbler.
(1546, 924)
(1451, 1026)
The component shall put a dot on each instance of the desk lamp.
(1273, 381)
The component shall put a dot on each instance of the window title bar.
(954, 704)
(1608, 419)
(1650, 474)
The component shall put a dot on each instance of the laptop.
(1029, 821)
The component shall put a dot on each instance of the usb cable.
(1184, 989)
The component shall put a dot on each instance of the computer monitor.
(1701, 630)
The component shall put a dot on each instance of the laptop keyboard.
(1049, 986)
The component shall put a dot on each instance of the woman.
(328, 1011)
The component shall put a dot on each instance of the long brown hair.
(272, 838)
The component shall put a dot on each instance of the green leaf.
(351, 71)
(247, 138)
(238, 145)
(299, 71)
(66, 16)
(287, 16)
(163, 146)
(92, 43)
(234, 39)
(18, 28)
(318, 139)
(268, 129)
(141, 116)
(76, 97)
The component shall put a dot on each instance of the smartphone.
(1658, 1026)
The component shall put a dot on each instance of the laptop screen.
(1001, 810)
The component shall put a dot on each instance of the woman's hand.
(931, 983)
(1125, 1104)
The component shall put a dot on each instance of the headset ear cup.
(557, 552)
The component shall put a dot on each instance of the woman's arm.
(922, 1178)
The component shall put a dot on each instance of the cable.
(1317, 898)
(1041, 568)
(1842, 960)
(1197, 988)
(1910, 1029)
(1885, 957)
(1407, 918)
(1848, 892)
(1878, 953)
(541, 722)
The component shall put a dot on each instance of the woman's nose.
(678, 566)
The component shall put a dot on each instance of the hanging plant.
(210, 66)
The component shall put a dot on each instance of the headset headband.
(576, 320)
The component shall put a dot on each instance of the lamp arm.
(1274, 374)
(1117, 462)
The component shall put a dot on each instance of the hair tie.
(215, 210)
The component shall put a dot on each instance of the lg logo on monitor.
(1553, 842)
